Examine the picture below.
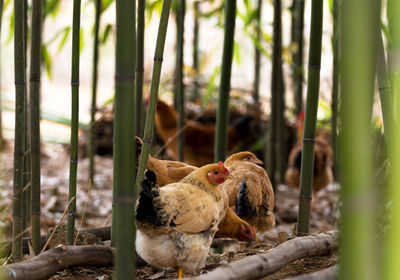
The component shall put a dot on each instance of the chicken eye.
(216, 172)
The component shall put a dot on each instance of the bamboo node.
(124, 77)
(74, 83)
(158, 58)
(74, 160)
(20, 83)
(71, 214)
(314, 66)
(146, 141)
(124, 201)
(305, 139)
(305, 196)
(34, 80)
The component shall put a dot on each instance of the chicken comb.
(300, 116)
(220, 163)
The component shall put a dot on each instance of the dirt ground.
(94, 210)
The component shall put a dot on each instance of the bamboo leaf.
(266, 36)
(81, 40)
(236, 53)
(250, 17)
(11, 28)
(105, 4)
(48, 62)
(213, 12)
(106, 33)
(211, 86)
(52, 8)
(64, 38)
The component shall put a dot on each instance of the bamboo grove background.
(365, 39)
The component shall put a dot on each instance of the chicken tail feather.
(243, 207)
(139, 144)
(147, 210)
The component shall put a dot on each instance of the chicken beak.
(255, 233)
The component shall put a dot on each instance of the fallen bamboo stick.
(256, 266)
(330, 273)
(46, 264)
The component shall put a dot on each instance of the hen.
(176, 223)
(197, 151)
(169, 171)
(323, 157)
(249, 190)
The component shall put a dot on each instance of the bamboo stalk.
(20, 84)
(26, 173)
(335, 83)
(34, 84)
(257, 60)
(359, 27)
(195, 53)
(385, 94)
(307, 157)
(155, 83)
(390, 266)
(179, 86)
(221, 135)
(297, 55)
(74, 120)
(275, 146)
(92, 136)
(1, 111)
(139, 67)
(124, 151)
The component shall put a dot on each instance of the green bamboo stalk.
(297, 42)
(257, 60)
(92, 136)
(390, 265)
(195, 53)
(19, 138)
(124, 191)
(179, 86)
(26, 177)
(221, 135)
(73, 167)
(385, 94)
(34, 89)
(359, 26)
(307, 158)
(275, 146)
(335, 82)
(139, 67)
(1, 111)
(154, 87)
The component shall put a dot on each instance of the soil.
(94, 210)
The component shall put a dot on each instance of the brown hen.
(250, 191)
(199, 138)
(323, 158)
(176, 223)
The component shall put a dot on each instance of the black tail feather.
(242, 124)
(146, 210)
(139, 144)
(243, 207)
(297, 160)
